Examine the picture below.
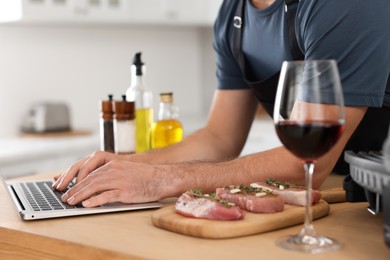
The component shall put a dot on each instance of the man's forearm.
(199, 146)
(277, 163)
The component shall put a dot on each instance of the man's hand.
(116, 181)
(82, 168)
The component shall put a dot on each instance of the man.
(252, 39)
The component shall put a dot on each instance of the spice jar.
(124, 126)
(107, 125)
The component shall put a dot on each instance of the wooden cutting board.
(333, 195)
(252, 223)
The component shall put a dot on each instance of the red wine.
(309, 140)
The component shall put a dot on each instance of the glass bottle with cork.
(143, 98)
(107, 125)
(124, 126)
(167, 130)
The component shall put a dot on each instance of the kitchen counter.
(131, 235)
(27, 155)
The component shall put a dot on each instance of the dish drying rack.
(368, 170)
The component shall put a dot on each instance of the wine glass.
(309, 119)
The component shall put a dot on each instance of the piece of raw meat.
(252, 199)
(197, 205)
(292, 194)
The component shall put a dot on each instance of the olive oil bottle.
(143, 98)
(167, 130)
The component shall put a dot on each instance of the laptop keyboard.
(42, 197)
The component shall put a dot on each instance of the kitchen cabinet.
(154, 12)
(199, 12)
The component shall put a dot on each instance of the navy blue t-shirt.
(356, 33)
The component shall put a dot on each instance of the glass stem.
(308, 228)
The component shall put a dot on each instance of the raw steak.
(292, 194)
(255, 200)
(195, 204)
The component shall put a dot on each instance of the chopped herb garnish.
(286, 184)
(247, 189)
(197, 193)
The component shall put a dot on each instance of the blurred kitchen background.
(77, 52)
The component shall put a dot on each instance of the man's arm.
(128, 182)
(121, 180)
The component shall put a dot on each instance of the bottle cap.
(106, 108)
(124, 110)
(137, 62)
(166, 97)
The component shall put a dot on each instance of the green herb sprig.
(247, 189)
(286, 184)
(197, 193)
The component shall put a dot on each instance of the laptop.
(36, 199)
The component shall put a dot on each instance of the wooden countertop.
(131, 235)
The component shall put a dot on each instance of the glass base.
(309, 244)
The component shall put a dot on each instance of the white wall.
(82, 64)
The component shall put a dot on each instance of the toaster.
(47, 117)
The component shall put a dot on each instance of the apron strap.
(290, 8)
(264, 90)
(238, 22)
